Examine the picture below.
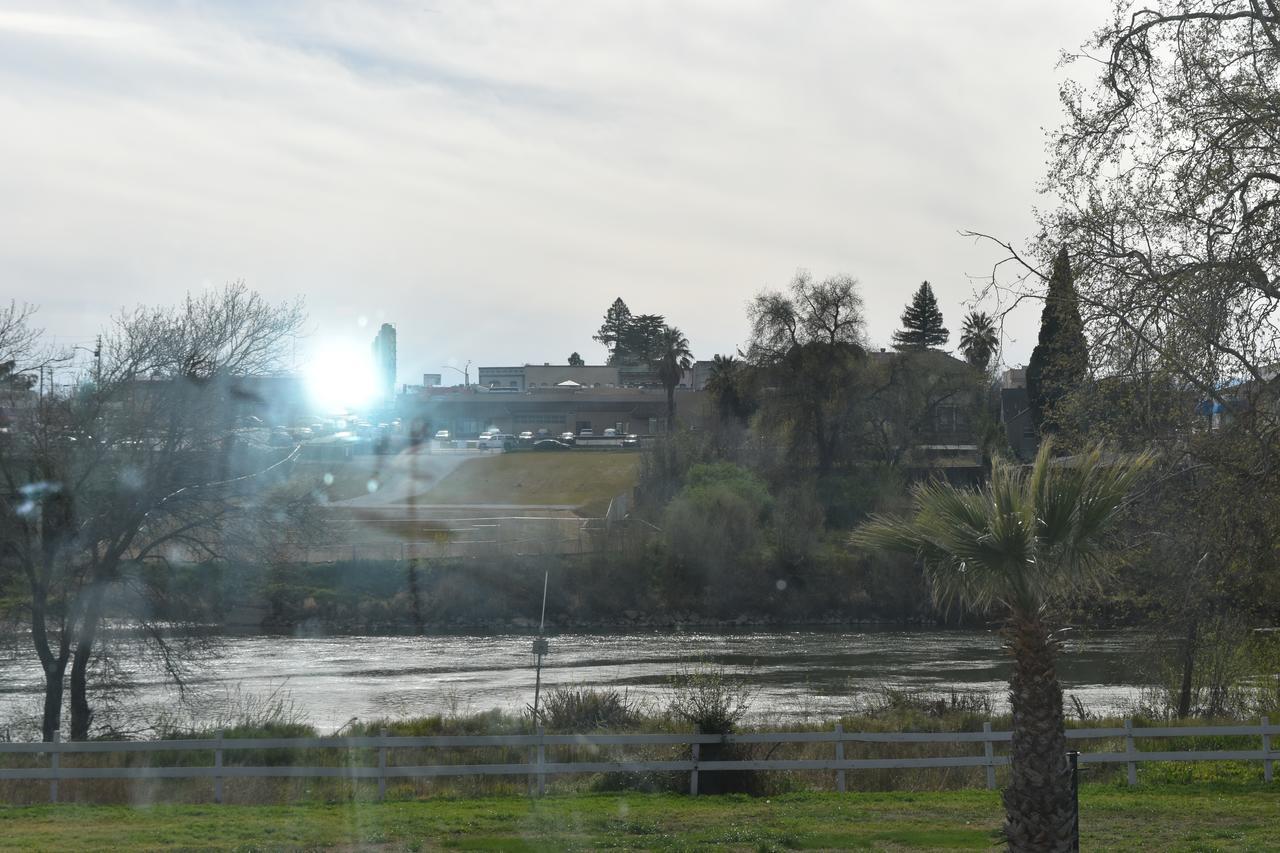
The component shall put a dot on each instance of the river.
(793, 675)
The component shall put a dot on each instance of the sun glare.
(340, 376)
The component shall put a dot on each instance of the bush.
(566, 709)
(709, 698)
(715, 702)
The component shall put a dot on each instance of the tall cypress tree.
(922, 322)
(1061, 357)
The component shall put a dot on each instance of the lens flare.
(340, 377)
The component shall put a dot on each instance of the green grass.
(581, 478)
(348, 478)
(1168, 818)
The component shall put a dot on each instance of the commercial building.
(546, 375)
(384, 362)
(553, 409)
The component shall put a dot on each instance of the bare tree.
(808, 345)
(1167, 173)
(141, 468)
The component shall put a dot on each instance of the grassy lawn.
(347, 479)
(587, 479)
(1167, 818)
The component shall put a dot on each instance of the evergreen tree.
(1061, 357)
(575, 360)
(642, 341)
(617, 320)
(922, 322)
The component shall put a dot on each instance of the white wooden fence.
(537, 768)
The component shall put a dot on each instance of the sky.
(490, 176)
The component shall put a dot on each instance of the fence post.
(1267, 774)
(1130, 751)
(382, 766)
(1074, 757)
(988, 750)
(217, 763)
(54, 763)
(542, 760)
(840, 756)
(693, 774)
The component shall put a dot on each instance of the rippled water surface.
(793, 674)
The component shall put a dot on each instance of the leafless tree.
(139, 469)
(1167, 177)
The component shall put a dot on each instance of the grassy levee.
(888, 716)
(1173, 818)
(581, 478)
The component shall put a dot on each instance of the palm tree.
(979, 339)
(673, 360)
(723, 385)
(1015, 548)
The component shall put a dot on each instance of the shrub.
(567, 709)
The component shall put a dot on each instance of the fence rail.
(538, 768)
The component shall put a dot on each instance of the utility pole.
(540, 648)
(97, 362)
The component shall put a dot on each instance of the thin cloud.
(491, 176)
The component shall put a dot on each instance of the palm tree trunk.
(1038, 805)
(671, 408)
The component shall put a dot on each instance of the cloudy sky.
(489, 176)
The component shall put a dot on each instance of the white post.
(382, 766)
(989, 751)
(54, 763)
(1130, 751)
(217, 763)
(693, 775)
(1267, 774)
(840, 756)
(542, 759)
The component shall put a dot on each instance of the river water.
(793, 675)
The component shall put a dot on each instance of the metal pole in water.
(540, 648)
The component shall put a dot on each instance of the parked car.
(442, 435)
(526, 436)
(631, 440)
(610, 433)
(567, 436)
(586, 432)
(493, 440)
(551, 444)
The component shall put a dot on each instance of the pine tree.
(617, 320)
(1061, 358)
(921, 322)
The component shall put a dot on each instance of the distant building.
(1015, 414)
(505, 378)
(384, 362)
(432, 380)
(696, 377)
(553, 410)
(530, 376)
(587, 375)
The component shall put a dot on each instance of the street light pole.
(466, 372)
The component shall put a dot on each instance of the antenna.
(540, 648)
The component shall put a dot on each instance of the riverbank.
(589, 592)
(1170, 817)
